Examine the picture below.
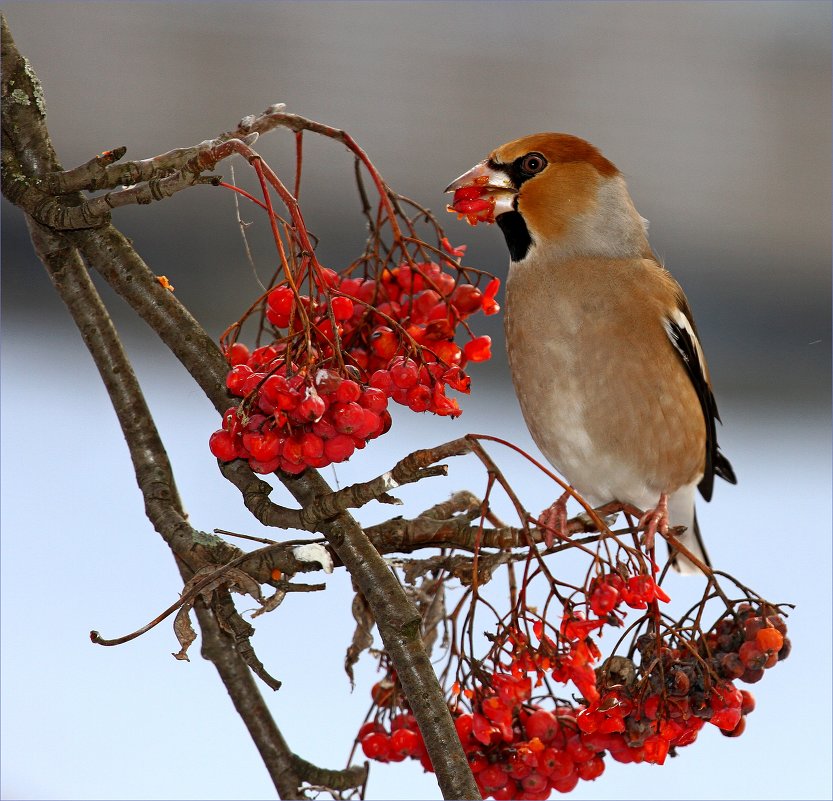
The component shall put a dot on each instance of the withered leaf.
(270, 603)
(184, 632)
(362, 636)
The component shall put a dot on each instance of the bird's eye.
(533, 163)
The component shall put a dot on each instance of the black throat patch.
(516, 234)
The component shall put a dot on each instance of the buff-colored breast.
(603, 392)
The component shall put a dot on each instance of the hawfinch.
(602, 346)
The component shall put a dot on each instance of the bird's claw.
(655, 520)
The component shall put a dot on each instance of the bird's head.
(552, 191)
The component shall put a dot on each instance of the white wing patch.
(681, 321)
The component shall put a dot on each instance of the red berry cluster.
(609, 590)
(518, 749)
(321, 389)
(525, 747)
(298, 421)
(394, 743)
(744, 644)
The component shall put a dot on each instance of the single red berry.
(404, 373)
(369, 728)
(785, 649)
(237, 377)
(405, 741)
(604, 599)
(466, 299)
(281, 300)
(384, 342)
(592, 769)
(346, 417)
(541, 724)
(382, 380)
(752, 675)
(266, 467)
(567, 784)
(237, 353)
(509, 792)
(324, 429)
(223, 446)
(326, 331)
(404, 720)
(348, 391)
(534, 783)
(751, 627)
(370, 426)
(463, 724)
(555, 764)
(374, 399)
(578, 749)
(418, 398)
(339, 448)
(342, 309)
(751, 655)
(737, 731)
(330, 278)
(492, 778)
(327, 382)
(422, 305)
(263, 446)
(312, 446)
(478, 349)
(377, 746)
(448, 352)
(278, 320)
(312, 407)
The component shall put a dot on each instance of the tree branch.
(27, 139)
(110, 253)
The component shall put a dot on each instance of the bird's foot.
(655, 520)
(553, 521)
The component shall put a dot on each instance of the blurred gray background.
(719, 115)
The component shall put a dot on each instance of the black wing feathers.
(716, 462)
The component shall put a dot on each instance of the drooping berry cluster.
(524, 744)
(321, 389)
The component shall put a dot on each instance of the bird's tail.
(692, 540)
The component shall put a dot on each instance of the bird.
(603, 351)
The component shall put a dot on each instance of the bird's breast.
(606, 412)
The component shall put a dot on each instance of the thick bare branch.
(27, 138)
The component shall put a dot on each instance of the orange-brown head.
(556, 192)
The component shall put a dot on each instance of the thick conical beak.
(484, 176)
(481, 194)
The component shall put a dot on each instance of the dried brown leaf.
(362, 636)
(184, 631)
(270, 603)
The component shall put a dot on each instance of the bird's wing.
(683, 335)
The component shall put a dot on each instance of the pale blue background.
(719, 115)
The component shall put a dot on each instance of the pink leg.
(655, 520)
(553, 520)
